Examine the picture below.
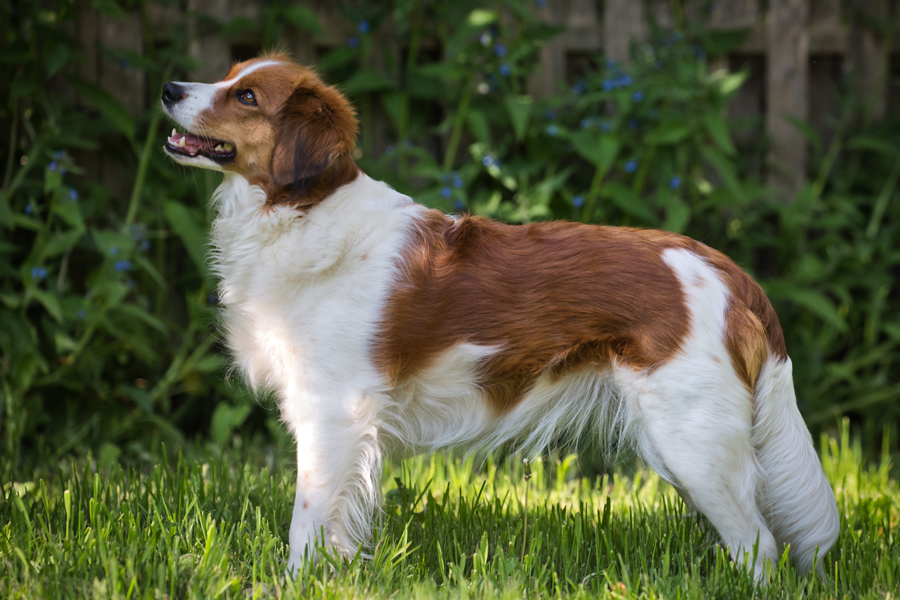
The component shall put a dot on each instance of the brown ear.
(315, 126)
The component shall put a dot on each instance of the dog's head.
(270, 120)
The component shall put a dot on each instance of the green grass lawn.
(216, 524)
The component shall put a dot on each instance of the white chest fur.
(303, 293)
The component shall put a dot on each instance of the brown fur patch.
(552, 296)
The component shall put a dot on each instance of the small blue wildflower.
(457, 181)
(631, 166)
(633, 124)
(638, 96)
(505, 70)
(123, 64)
(485, 39)
(145, 245)
(552, 129)
(605, 126)
(29, 209)
(446, 192)
(675, 182)
(38, 273)
(487, 160)
(212, 298)
(114, 250)
(578, 201)
(586, 122)
(625, 80)
(353, 43)
(611, 64)
(80, 314)
(607, 85)
(57, 154)
(579, 88)
(459, 206)
(53, 165)
(541, 3)
(123, 265)
(445, 177)
(550, 114)
(499, 50)
(363, 27)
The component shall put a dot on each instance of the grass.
(215, 525)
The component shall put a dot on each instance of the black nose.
(172, 93)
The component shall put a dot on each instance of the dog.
(384, 327)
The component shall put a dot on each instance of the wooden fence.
(798, 51)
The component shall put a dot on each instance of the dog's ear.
(315, 126)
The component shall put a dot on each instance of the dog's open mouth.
(188, 144)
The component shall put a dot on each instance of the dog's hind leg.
(692, 423)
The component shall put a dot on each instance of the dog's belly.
(444, 406)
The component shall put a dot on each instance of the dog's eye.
(247, 97)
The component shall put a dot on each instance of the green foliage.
(216, 526)
(107, 303)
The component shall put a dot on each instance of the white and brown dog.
(383, 326)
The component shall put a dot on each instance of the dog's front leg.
(338, 481)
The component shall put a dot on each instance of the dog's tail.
(793, 496)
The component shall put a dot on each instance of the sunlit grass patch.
(217, 527)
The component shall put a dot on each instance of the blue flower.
(123, 265)
(625, 81)
(499, 50)
(446, 192)
(212, 298)
(73, 194)
(53, 165)
(114, 250)
(611, 64)
(552, 129)
(638, 96)
(605, 126)
(487, 160)
(57, 154)
(586, 122)
(675, 182)
(29, 209)
(145, 245)
(505, 70)
(459, 206)
(541, 3)
(123, 64)
(38, 273)
(550, 114)
(578, 201)
(353, 43)
(607, 85)
(80, 314)
(631, 166)
(457, 181)
(579, 88)
(363, 27)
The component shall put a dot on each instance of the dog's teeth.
(173, 132)
(182, 142)
(219, 148)
(228, 147)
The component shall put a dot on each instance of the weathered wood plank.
(787, 41)
(211, 52)
(546, 79)
(869, 62)
(623, 21)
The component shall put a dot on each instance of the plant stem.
(144, 163)
(13, 134)
(458, 123)
(883, 199)
(593, 192)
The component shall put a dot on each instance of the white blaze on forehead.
(200, 96)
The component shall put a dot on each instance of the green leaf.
(69, 211)
(630, 202)
(667, 133)
(188, 231)
(366, 81)
(57, 57)
(519, 109)
(600, 152)
(226, 418)
(814, 301)
(304, 18)
(481, 17)
(873, 143)
(478, 126)
(718, 131)
(132, 310)
(62, 241)
(108, 106)
(725, 169)
(50, 302)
